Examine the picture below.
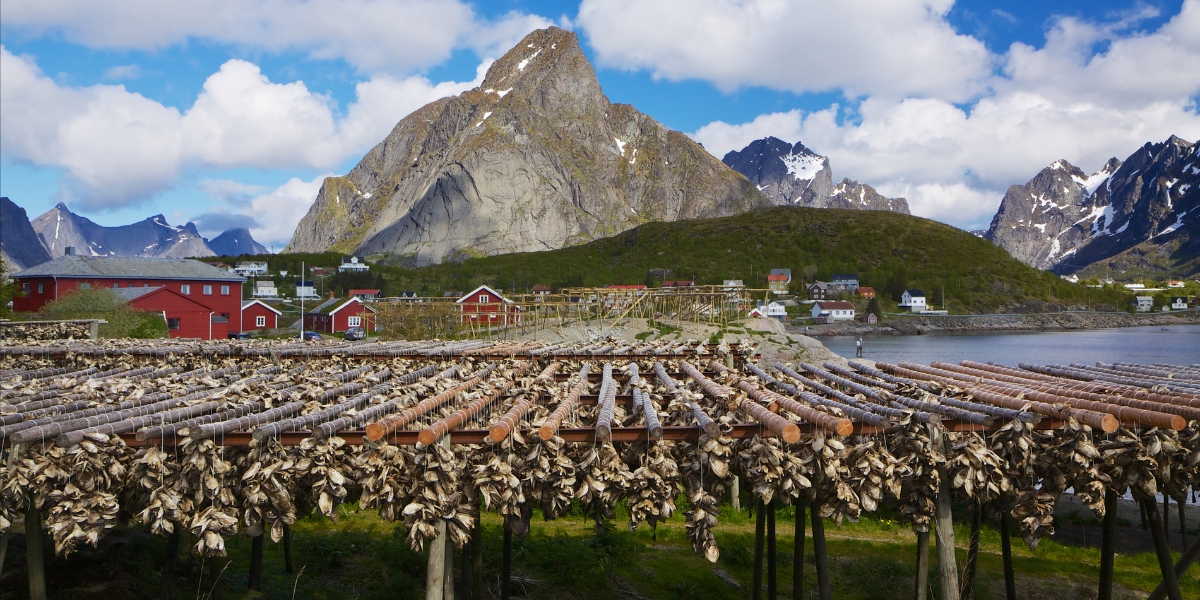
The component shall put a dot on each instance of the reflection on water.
(1178, 345)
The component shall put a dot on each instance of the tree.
(103, 303)
(873, 307)
(8, 290)
(809, 272)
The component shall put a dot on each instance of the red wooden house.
(257, 314)
(485, 306)
(336, 315)
(366, 294)
(217, 290)
(185, 317)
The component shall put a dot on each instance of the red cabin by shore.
(336, 315)
(192, 284)
(485, 306)
(185, 317)
(257, 314)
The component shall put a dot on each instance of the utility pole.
(302, 302)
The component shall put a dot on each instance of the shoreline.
(1000, 323)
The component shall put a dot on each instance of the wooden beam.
(824, 585)
(1010, 580)
(944, 518)
(1170, 581)
(798, 551)
(772, 582)
(759, 534)
(1108, 545)
(256, 557)
(922, 574)
(34, 555)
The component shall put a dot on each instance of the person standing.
(858, 349)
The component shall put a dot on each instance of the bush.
(103, 303)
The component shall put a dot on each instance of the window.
(173, 324)
(484, 299)
(185, 289)
(116, 285)
(355, 321)
(25, 288)
(260, 321)
(224, 290)
(85, 286)
(208, 290)
(41, 288)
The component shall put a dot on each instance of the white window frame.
(224, 290)
(41, 288)
(354, 321)
(207, 290)
(484, 299)
(185, 289)
(260, 321)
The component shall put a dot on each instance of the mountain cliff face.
(535, 158)
(20, 247)
(151, 238)
(1143, 210)
(793, 175)
(235, 242)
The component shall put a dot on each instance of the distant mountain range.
(27, 243)
(1140, 216)
(793, 175)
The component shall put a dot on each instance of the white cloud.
(1063, 101)
(392, 36)
(118, 147)
(278, 212)
(889, 47)
(123, 72)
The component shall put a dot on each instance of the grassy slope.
(890, 251)
(363, 556)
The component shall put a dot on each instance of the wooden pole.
(759, 526)
(1189, 556)
(436, 566)
(922, 565)
(477, 562)
(735, 494)
(772, 586)
(1108, 545)
(33, 554)
(11, 460)
(1166, 515)
(823, 584)
(467, 564)
(506, 565)
(967, 591)
(448, 572)
(947, 566)
(1170, 582)
(288, 567)
(168, 575)
(1182, 523)
(1010, 580)
(798, 552)
(256, 555)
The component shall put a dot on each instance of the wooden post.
(735, 494)
(1182, 523)
(506, 565)
(922, 584)
(1185, 561)
(436, 567)
(448, 572)
(967, 591)
(477, 562)
(13, 452)
(1010, 580)
(772, 586)
(947, 566)
(759, 525)
(1108, 545)
(33, 554)
(467, 564)
(1170, 582)
(256, 552)
(798, 552)
(168, 575)
(288, 567)
(1166, 515)
(823, 584)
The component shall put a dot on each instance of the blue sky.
(231, 112)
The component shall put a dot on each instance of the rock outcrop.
(20, 247)
(150, 238)
(535, 158)
(235, 242)
(1145, 210)
(793, 175)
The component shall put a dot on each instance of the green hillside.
(891, 252)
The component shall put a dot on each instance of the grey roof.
(820, 284)
(845, 276)
(787, 272)
(102, 267)
(131, 294)
(915, 293)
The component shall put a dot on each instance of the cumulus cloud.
(376, 36)
(118, 147)
(888, 47)
(280, 210)
(1063, 101)
(123, 72)
(214, 223)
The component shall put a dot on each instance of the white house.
(1135, 286)
(830, 312)
(1179, 303)
(845, 281)
(1174, 283)
(730, 285)
(265, 289)
(306, 290)
(353, 266)
(251, 268)
(914, 300)
(1145, 303)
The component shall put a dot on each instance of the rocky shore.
(1063, 321)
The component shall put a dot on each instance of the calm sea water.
(1179, 345)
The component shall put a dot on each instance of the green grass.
(891, 252)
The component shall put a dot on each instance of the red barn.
(257, 314)
(185, 317)
(336, 315)
(218, 290)
(485, 306)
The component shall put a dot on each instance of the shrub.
(103, 303)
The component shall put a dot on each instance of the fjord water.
(1177, 345)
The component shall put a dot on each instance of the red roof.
(541, 288)
(777, 277)
(840, 305)
(364, 292)
(625, 287)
